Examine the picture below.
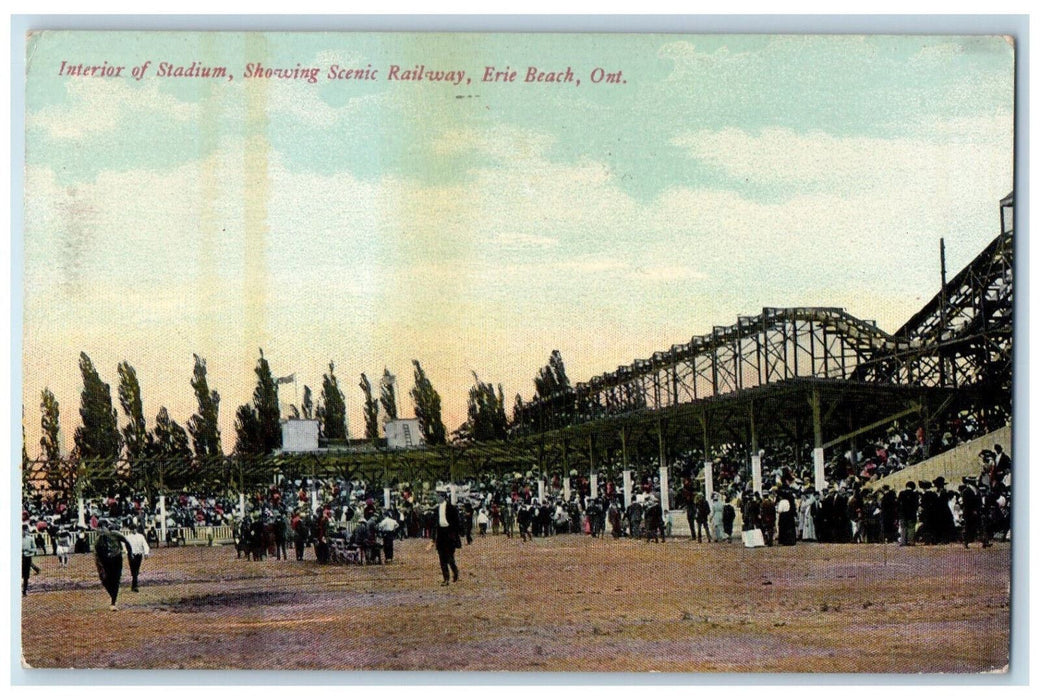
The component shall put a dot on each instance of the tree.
(388, 396)
(332, 411)
(553, 377)
(486, 411)
(427, 407)
(203, 426)
(98, 437)
(59, 474)
(135, 433)
(248, 440)
(518, 409)
(169, 439)
(169, 443)
(308, 402)
(258, 426)
(370, 409)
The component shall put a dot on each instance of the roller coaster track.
(960, 338)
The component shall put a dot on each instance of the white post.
(241, 506)
(709, 480)
(314, 499)
(82, 505)
(162, 518)
(567, 488)
(665, 505)
(756, 473)
(386, 497)
(627, 486)
(593, 484)
(541, 491)
(821, 481)
(451, 490)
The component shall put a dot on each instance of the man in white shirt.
(138, 550)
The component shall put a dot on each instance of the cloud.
(97, 106)
(940, 156)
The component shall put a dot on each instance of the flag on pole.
(286, 380)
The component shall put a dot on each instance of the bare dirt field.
(566, 603)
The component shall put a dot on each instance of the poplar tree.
(553, 377)
(59, 474)
(258, 425)
(203, 426)
(169, 439)
(98, 437)
(388, 395)
(486, 411)
(332, 411)
(427, 407)
(370, 409)
(135, 433)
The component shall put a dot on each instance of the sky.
(478, 227)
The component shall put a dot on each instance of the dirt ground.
(566, 603)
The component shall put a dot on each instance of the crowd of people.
(345, 521)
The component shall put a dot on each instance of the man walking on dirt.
(447, 536)
(108, 557)
(138, 550)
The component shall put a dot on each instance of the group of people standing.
(109, 545)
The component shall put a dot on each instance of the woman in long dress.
(806, 521)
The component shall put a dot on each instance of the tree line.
(100, 436)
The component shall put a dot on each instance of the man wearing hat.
(971, 510)
(654, 520)
(889, 513)
(945, 526)
(909, 501)
(447, 536)
(108, 557)
(929, 507)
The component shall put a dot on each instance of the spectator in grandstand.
(108, 557)
(139, 549)
(447, 536)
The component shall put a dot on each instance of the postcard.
(517, 352)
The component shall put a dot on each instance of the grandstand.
(815, 376)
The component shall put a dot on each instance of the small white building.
(299, 435)
(403, 433)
